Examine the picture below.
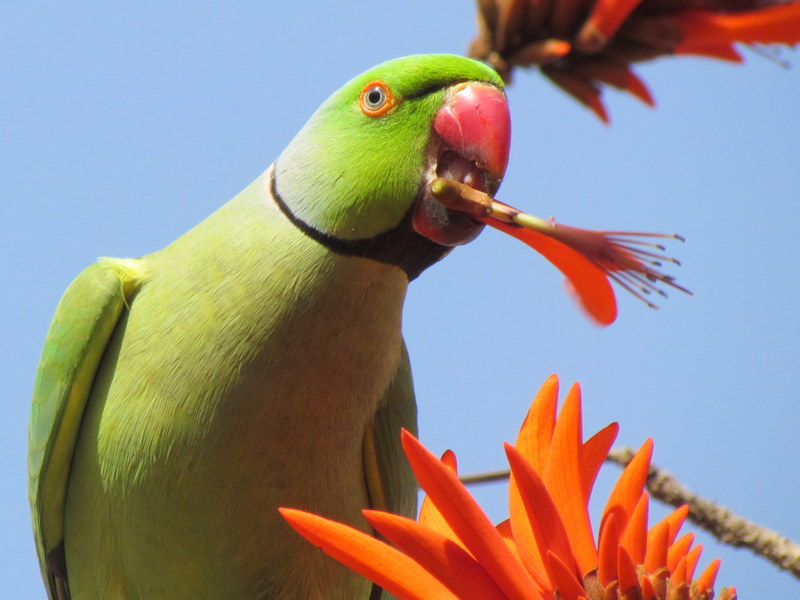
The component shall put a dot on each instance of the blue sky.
(123, 126)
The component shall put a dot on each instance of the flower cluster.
(546, 550)
(581, 45)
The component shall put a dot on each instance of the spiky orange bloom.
(581, 45)
(546, 550)
(588, 258)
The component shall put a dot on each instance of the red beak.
(475, 123)
(474, 128)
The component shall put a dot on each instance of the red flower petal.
(540, 510)
(706, 580)
(634, 540)
(562, 476)
(626, 492)
(719, 51)
(589, 282)
(678, 574)
(567, 585)
(594, 453)
(648, 591)
(538, 571)
(444, 559)
(628, 579)
(468, 521)
(563, 15)
(605, 19)
(429, 515)
(522, 533)
(607, 555)
(777, 24)
(657, 547)
(678, 550)
(692, 558)
(504, 529)
(676, 519)
(389, 568)
(524, 539)
(533, 441)
(615, 74)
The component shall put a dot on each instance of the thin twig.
(725, 525)
(728, 527)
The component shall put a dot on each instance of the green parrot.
(258, 360)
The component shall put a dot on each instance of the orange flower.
(546, 550)
(587, 258)
(581, 45)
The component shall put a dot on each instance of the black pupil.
(375, 96)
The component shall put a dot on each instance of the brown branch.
(728, 527)
(488, 477)
(725, 525)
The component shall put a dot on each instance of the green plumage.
(183, 396)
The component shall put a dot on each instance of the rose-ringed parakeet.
(258, 361)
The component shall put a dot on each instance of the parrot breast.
(242, 379)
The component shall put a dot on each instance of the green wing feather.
(390, 482)
(82, 326)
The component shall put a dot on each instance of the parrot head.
(356, 176)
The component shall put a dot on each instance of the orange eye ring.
(376, 99)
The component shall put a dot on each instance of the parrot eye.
(376, 99)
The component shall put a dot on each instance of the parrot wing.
(81, 329)
(391, 484)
